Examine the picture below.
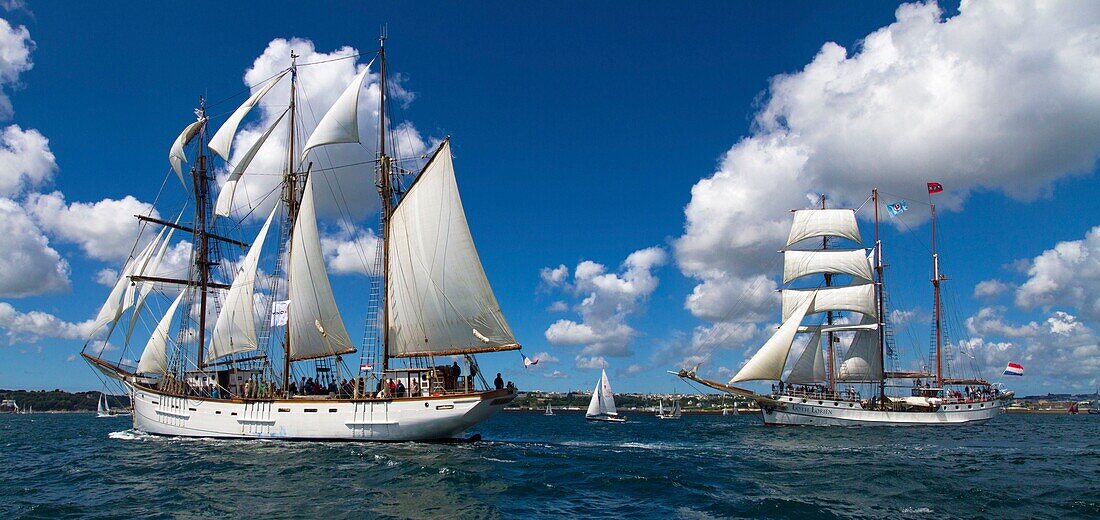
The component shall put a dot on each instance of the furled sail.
(439, 299)
(235, 330)
(603, 399)
(176, 156)
(154, 359)
(853, 262)
(855, 298)
(225, 198)
(810, 366)
(812, 223)
(341, 123)
(839, 327)
(863, 361)
(768, 362)
(316, 328)
(223, 138)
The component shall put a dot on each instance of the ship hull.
(790, 411)
(393, 420)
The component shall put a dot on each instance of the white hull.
(405, 419)
(605, 418)
(797, 411)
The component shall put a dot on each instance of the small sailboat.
(602, 405)
(104, 409)
(549, 409)
(671, 414)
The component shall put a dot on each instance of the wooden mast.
(829, 316)
(290, 197)
(202, 259)
(936, 290)
(385, 191)
(881, 302)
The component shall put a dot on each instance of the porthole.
(425, 405)
(969, 406)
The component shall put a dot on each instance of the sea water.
(531, 465)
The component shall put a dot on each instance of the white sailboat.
(549, 409)
(808, 393)
(429, 298)
(671, 414)
(602, 405)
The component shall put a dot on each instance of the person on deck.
(302, 387)
(332, 388)
(393, 387)
(455, 373)
(498, 382)
(400, 390)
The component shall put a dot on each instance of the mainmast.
(829, 316)
(881, 300)
(199, 232)
(290, 198)
(385, 191)
(936, 289)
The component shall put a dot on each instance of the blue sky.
(584, 133)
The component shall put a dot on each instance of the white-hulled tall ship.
(273, 363)
(860, 391)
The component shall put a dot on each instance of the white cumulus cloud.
(29, 327)
(105, 230)
(15, 58)
(28, 264)
(25, 160)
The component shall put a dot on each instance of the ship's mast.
(385, 191)
(290, 198)
(202, 259)
(829, 317)
(881, 301)
(936, 290)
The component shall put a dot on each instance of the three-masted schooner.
(809, 392)
(283, 374)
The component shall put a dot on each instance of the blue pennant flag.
(896, 208)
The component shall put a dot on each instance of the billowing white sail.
(854, 298)
(154, 359)
(316, 328)
(112, 309)
(145, 287)
(768, 362)
(235, 330)
(863, 361)
(224, 204)
(141, 263)
(341, 123)
(853, 262)
(439, 299)
(810, 366)
(603, 400)
(223, 138)
(176, 156)
(811, 223)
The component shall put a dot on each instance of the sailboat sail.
(797, 264)
(235, 330)
(223, 138)
(810, 366)
(439, 299)
(863, 362)
(176, 155)
(603, 400)
(768, 362)
(147, 287)
(341, 123)
(856, 298)
(113, 308)
(316, 328)
(815, 223)
(154, 359)
(224, 205)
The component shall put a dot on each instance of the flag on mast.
(934, 187)
(528, 361)
(896, 208)
(1014, 369)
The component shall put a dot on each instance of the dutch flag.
(1014, 369)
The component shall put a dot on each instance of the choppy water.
(1018, 466)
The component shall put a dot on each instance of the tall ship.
(257, 347)
(835, 293)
